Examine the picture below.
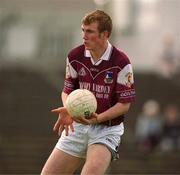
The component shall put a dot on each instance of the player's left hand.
(87, 121)
(64, 121)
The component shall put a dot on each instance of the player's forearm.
(63, 98)
(113, 112)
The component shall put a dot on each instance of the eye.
(90, 31)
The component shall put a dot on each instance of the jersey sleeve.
(71, 77)
(125, 90)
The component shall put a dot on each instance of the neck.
(98, 52)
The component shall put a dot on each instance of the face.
(92, 38)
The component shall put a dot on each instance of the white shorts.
(77, 142)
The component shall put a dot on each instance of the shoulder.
(120, 58)
(76, 52)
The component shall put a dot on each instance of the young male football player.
(106, 71)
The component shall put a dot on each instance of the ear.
(105, 34)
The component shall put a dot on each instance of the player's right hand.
(87, 121)
(64, 121)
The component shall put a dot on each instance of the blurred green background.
(35, 37)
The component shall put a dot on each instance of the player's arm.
(64, 120)
(115, 111)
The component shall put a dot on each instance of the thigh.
(97, 160)
(107, 136)
(60, 162)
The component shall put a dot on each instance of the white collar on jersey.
(106, 54)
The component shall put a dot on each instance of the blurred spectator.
(171, 129)
(168, 57)
(149, 126)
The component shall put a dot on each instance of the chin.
(87, 48)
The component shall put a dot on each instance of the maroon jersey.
(110, 78)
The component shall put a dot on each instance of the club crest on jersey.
(129, 79)
(109, 77)
(82, 72)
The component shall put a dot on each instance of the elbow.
(125, 107)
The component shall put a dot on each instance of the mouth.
(86, 44)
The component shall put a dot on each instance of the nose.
(84, 36)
